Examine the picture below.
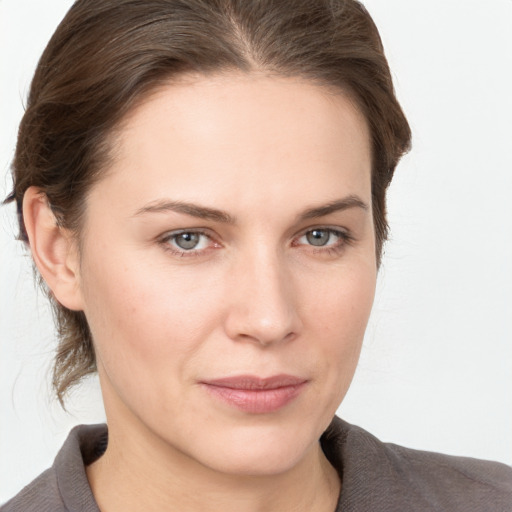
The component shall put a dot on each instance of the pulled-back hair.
(106, 55)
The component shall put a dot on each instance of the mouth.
(256, 395)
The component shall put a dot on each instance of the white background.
(436, 369)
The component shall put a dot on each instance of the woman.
(202, 185)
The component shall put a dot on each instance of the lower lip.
(256, 401)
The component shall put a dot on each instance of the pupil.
(187, 240)
(318, 237)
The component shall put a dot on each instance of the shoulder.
(384, 476)
(64, 486)
(452, 483)
(40, 495)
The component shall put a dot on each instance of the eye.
(318, 237)
(323, 237)
(324, 241)
(186, 242)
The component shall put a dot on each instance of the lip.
(256, 395)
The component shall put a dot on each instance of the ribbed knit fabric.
(383, 477)
(376, 477)
(64, 487)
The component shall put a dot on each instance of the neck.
(140, 471)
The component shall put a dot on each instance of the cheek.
(337, 319)
(343, 304)
(148, 327)
(145, 313)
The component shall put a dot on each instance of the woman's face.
(228, 269)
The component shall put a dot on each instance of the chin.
(259, 450)
(261, 459)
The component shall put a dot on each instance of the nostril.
(265, 333)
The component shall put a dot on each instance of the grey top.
(376, 476)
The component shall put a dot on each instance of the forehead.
(259, 135)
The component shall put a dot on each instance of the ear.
(53, 249)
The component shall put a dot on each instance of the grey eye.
(318, 237)
(187, 241)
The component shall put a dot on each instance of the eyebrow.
(191, 209)
(351, 201)
(203, 212)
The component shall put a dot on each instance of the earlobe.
(53, 249)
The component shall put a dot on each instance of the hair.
(107, 55)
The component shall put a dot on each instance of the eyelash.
(166, 240)
(345, 238)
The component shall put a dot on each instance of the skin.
(254, 297)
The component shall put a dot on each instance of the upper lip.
(254, 383)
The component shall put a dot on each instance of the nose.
(263, 305)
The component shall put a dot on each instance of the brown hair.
(107, 54)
